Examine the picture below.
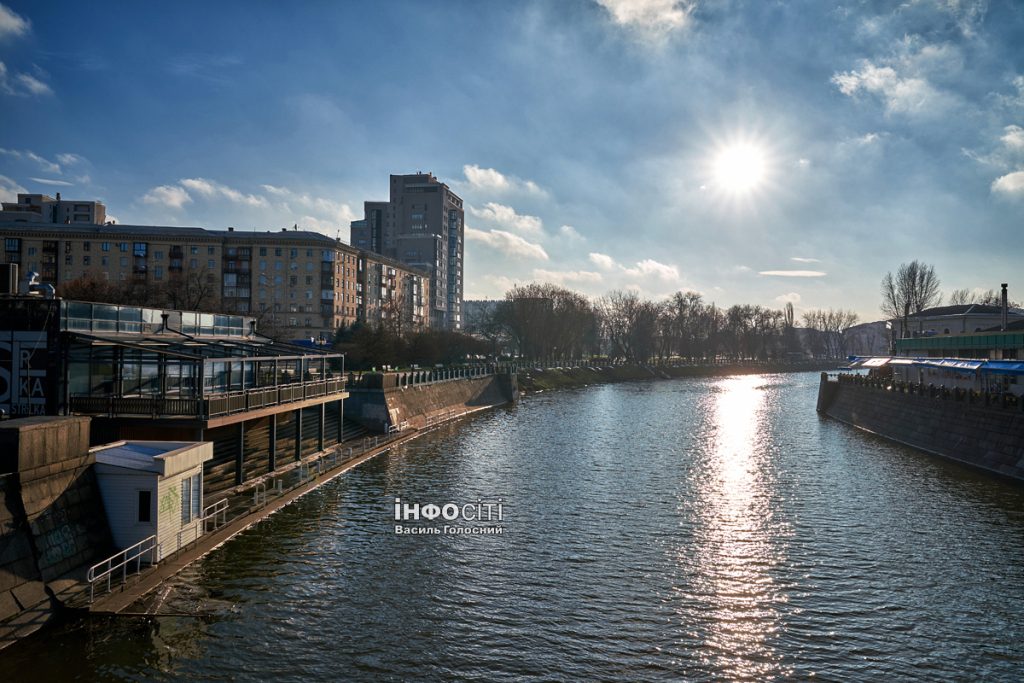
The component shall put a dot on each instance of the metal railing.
(211, 406)
(121, 561)
(217, 513)
(257, 490)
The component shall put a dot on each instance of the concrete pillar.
(298, 434)
(320, 429)
(240, 455)
(273, 442)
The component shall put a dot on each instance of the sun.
(739, 168)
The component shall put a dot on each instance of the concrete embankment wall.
(531, 379)
(52, 522)
(948, 424)
(420, 404)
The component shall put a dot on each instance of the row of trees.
(545, 321)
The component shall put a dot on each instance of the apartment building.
(301, 284)
(423, 226)
(392, 294)
(41, 208)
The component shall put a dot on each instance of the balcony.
(217, 405)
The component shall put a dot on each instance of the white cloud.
(44, 164)
(566, 277)
(51, 181)
(211, 189)
(901, 95)
(646, 268)
(485, 178)
(32, 85)
(654, 18)
(167, 195)
(21, 84)
(337, 213)
(792, 273)
(903, 80)
(652, 268)
(69, 159)
(1013, 138)
(507, 243)
(9, 189)
(506, 217)
(788, 298)
(1011, 184)
(11, 24)
(493, 181)
(801, 259)
(571, 233)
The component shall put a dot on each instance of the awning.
(875, 362)
(950, 364)
(1008, 367)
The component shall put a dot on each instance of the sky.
(756, 152)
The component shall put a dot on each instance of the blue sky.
(757, 152)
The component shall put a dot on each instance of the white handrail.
(135, 552)
(213, 511)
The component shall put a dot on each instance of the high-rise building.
(41, 208)
(423, 226)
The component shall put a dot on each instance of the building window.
(293, 280)
(85, 260)
(193, 263)
(86, 246)
(191, 498)
(309, 253)
(145, 506)
(211, 264)
(31, 251)
(277, 251)
(278, 265)
(263, 251)
(309, 279)
(293, 253)
(158, 255)
(140, 249)
(209, 251)
(12, 244)
(69, 260)
(124, 261)
(158, 273)
(123, 246)
(105, 260)
(194, 250)
(105, 246)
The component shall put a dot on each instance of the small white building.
(153, 488)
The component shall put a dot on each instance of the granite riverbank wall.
(982, 430)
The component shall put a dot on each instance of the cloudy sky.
(757, 152)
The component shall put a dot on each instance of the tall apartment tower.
(422, 225)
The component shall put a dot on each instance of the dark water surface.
(678, 530)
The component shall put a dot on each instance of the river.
(694, 529)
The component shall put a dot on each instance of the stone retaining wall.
(423, 404)
(984, 433)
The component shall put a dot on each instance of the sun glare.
(739, 168)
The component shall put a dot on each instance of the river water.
(698, 529)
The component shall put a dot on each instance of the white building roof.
(165, 458)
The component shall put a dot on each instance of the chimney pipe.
(1006, 308)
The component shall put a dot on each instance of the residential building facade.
(302, 284)
(423, 226)
(41, 208)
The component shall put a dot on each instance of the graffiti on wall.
(23, 359)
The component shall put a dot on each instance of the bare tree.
(914, 288)
(830, 327)
(990, 297)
